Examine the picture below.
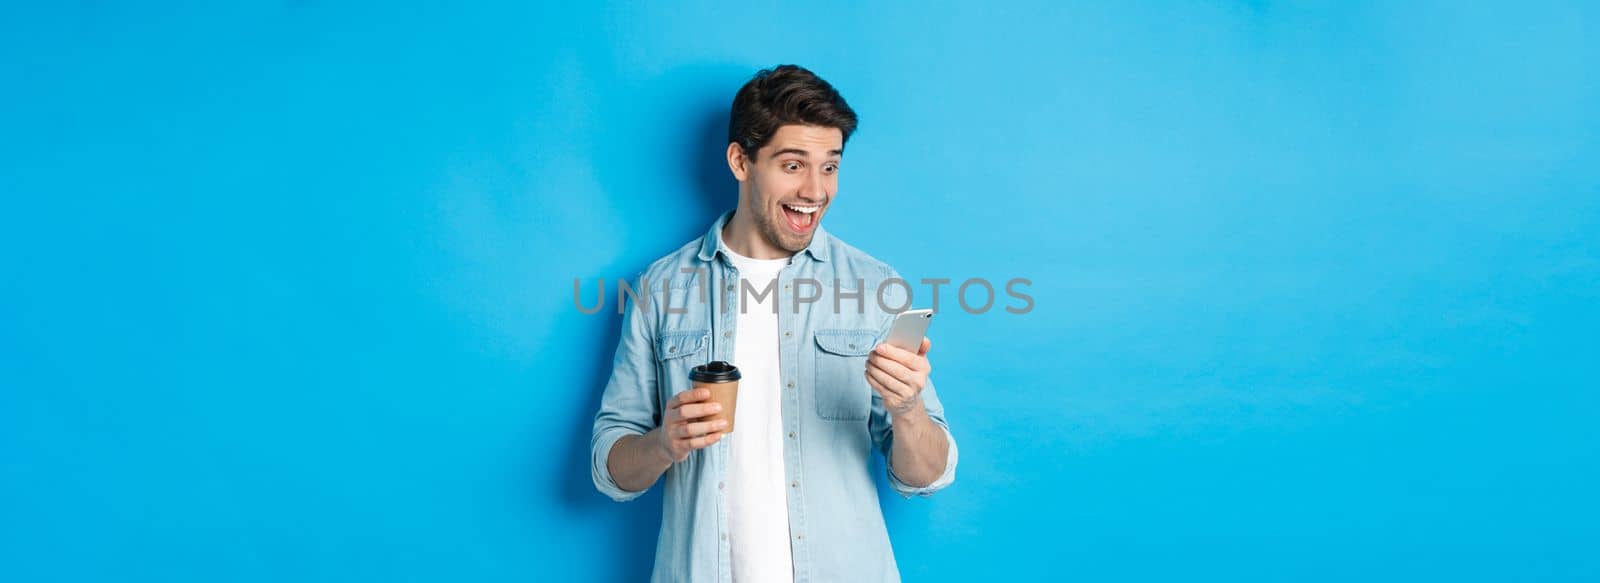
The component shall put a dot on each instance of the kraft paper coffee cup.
(723, 380)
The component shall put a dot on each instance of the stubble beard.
(770, 230)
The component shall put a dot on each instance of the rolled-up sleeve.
(882, 427)
(949, 475)
(629, 405)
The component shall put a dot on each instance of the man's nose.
(815, 189)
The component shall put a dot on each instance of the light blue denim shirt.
(833, 419)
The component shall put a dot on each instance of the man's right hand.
(686, 428)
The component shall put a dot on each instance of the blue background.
(287, 287)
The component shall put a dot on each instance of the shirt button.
(728, 334)
(794, 484)
(800, 537)
(787, 333)
(791, 435)
(791, 385)
(719, 485)
(724, 536)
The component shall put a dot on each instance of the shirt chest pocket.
(678, 351)
(841, 390)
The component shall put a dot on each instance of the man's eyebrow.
(803, 153)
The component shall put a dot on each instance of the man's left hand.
(899, 375)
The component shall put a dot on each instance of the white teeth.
(802, 209)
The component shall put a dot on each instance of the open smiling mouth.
(801, 218)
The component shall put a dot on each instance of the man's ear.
(737, 162)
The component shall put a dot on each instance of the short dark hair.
(785, 95)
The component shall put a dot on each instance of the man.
(789, 495)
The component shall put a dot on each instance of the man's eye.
(791, 166)
(830, 168)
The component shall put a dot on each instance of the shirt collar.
(711, 244)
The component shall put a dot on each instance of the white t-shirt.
(758, 506)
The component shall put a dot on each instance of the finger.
(895, 369)
(704, 441)
(891, 351)
(689, 396)
(704, 427)
(680, 431)
(889, 383)
(872, 382)
(888, 387)
(698, 410)
(926, 344)
(876, 386)
(905, 357)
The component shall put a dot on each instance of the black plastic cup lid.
(715, 371)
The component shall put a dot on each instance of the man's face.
(790, 183)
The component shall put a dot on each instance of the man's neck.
(741, 236)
